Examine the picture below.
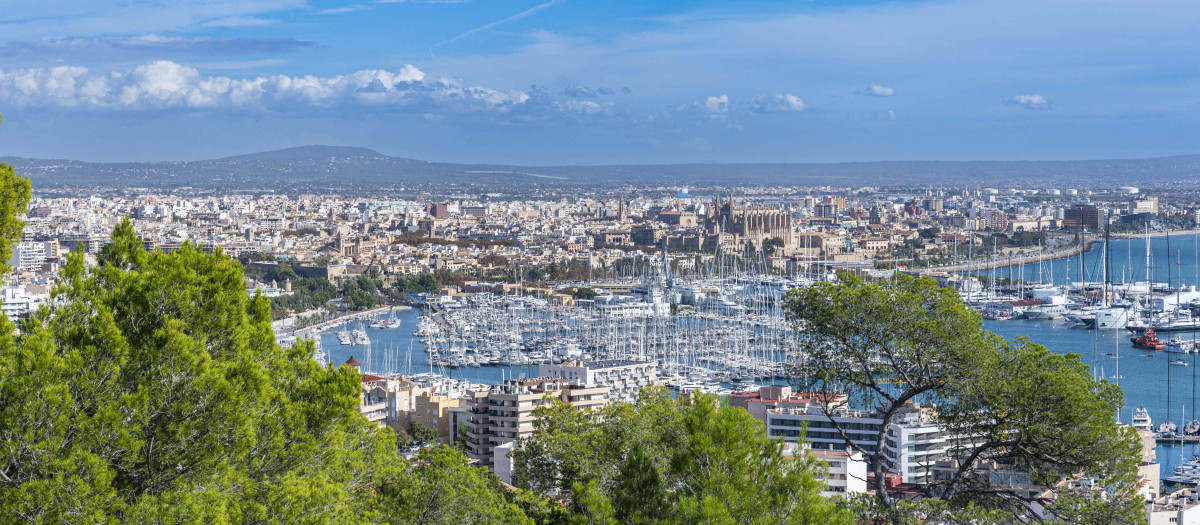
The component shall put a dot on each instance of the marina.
(729, 334)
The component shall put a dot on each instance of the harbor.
(725, 334)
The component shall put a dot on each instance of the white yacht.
(1141, 419)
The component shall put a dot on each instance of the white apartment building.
(20, 303)
(914, 444)
(789, 423)
(28, 256)
(622, 377)
(846, 471)
(504, 413)
(1181, 507)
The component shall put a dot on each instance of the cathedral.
(732, 226)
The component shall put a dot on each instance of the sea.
(1166, 391)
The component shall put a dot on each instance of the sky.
(540, 82)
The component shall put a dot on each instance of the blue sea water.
(1164, 390)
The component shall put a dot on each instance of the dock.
(1181, 440)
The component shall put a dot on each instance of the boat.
(1167, 428)
(1149, 355)
(345, 338)
(1181, 346)
(1147, 341)
(1192, 428)
(359, 336)
(1141, 419)
(1178, 362)
(1187, 473)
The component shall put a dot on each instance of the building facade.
(622, 377)
(504, 413)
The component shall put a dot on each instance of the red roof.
(352, 362)
(367, 378)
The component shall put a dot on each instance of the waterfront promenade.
(1005, 261)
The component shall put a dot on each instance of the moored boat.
(1147, 341)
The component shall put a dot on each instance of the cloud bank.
(878, 91)
(1035, 102)
(164, 84)
(777, 103)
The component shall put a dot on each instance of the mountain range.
(350, 169)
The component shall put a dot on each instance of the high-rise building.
(1081, 216)
(504, 413)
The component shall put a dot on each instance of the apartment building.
(432, 410)
(915, 443)
(1181, 507)
(820, 431)
(846, 472)
(504, 413)
(622, 377)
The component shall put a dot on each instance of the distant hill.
(349, 169)
(307, 152)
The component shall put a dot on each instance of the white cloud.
(168, 85)
(777, 103)
(1030, 101)
(240, 21)
(717, 106)
(878, 91)
(347, 9)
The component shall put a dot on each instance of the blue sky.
(599, 82)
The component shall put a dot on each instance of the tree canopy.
(1012, 402)
(151, 390)
(662, 460)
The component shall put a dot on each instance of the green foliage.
(307, 292)
(248, 257)
(301, 232)
(1041, 415)
(403, 438)
(423, 283)
(492, 259)
(592, 507)
(14, 204)
(423, 433)
(584, 293)
(151, 389)
(639, 496)
(730, 471)
(442, 489)
(662, 460)
(572, 446)
(360, 291)
(770, 246)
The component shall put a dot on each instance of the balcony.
(374, 407)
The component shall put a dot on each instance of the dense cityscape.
(588, 299)
(550, 262)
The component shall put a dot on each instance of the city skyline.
(561, 82)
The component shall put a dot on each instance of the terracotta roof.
(367, 378)
(352, 362)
